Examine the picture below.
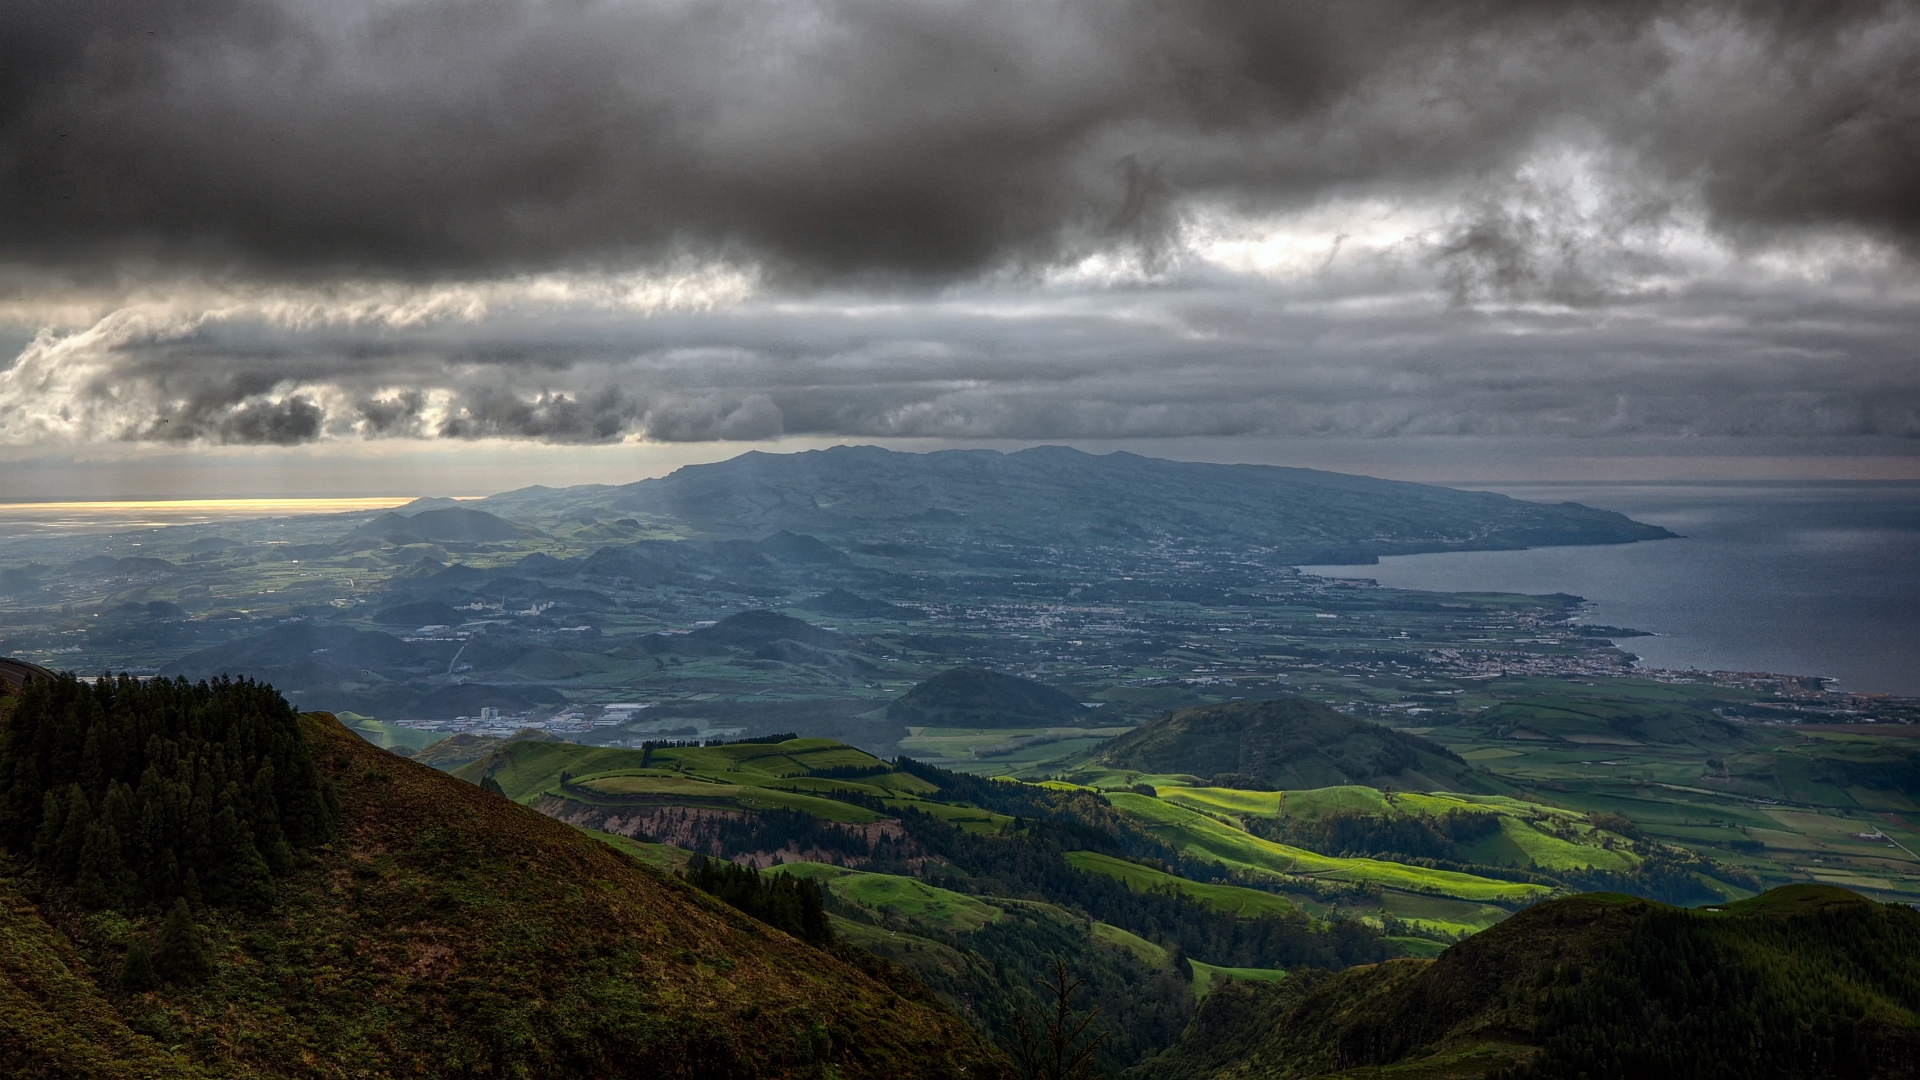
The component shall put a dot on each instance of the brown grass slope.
(449, 932)
(54, 1022)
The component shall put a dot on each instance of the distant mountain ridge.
(450, 524)
(1052, 495)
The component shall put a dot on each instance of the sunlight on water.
(24, 520)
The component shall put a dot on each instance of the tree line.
(138, 793)
(782, 901)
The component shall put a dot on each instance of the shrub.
(136, 974)
(182, 955)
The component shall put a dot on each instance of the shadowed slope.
(446, 931)
(1806, 980)
(54, 1022)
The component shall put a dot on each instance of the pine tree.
(124, 783)
(1183, 967)
(53, 816)
(244, 879)
(137, 973)
(101, 881)
(182, 955)
(73, 833)
(264, 813)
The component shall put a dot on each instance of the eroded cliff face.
(707, 829)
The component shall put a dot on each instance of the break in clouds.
(247, 221)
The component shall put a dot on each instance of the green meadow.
(942, 909)
(1232, 899)
(1203, 836)
(1204, 975)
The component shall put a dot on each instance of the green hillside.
(1205, 837)
(1231, 899)
(1286, 743)
(964, 880)
(892, 894)
(970, 697)
(1490, 830)
(820, 778)
(444, 931)
(971, 883)
(1805, 980)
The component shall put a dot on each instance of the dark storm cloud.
(837, 137)
(1227, 358)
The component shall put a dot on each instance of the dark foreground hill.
(1054, 495)
(1286, 744)
(975, 697)
(1803, 981)
(444, 931)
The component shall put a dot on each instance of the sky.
(379, 246)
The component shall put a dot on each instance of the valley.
(1061, 706)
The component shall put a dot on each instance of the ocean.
(1796, 578)
(41, 520)
(1800, 578)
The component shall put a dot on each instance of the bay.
(1796, 578)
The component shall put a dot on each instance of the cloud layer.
(588, 221)
(917, 137)
(1481, 329)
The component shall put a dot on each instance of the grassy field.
(748, 797)
(1440, 914)
(1205, 975)
(747, 775)
(391, 736)
(1519, 842)
(662, 857)
(1023, 753)
(1420, 948)
(1785, 803)
(1830, 804)
(1146, 950)
(1206, 837)
(969, 818)
(905, 896)
(1247, 903)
